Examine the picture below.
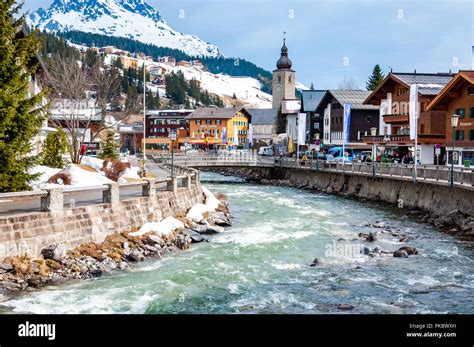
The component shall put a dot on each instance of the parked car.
(266, 151)
(336, 152)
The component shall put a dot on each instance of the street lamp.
(373, 132)
(454, 124)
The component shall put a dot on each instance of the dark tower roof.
(284, 63)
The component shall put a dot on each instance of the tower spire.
(284, 62)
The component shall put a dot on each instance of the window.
(198, 121)
(279, 79)
(208, 121)
(471, 134)
(459, 135)
(470, 90)
(316, 125)
(471, 112)
(289, 79)
(460, 112)
(218, 121)
(370, 119)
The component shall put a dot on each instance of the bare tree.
(73, 109)
(348, 83)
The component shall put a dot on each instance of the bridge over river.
(440, 175)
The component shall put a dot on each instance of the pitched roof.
(215, 113)
(311, 98)
(354, 97)
(466, 75)
(263, 116)
(428, 83)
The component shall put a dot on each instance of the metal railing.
(463, 177)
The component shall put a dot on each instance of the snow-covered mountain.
(246, 89)
(133, 19)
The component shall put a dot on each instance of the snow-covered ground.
(170, 224)
(163, 228)
(247, 89)
(212, 203)
(80, 177)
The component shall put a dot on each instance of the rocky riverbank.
(454, 222)
(118, 252)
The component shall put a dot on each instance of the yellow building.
(219, 127)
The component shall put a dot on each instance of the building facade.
(393, 97)
(263, 125)
(457, 97)
(310, 100)
(219, 127)
(131, 136)
(162, 123)
(362, 119)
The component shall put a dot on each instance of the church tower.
(283, 82)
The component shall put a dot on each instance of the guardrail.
(463, 177)
(52, 199)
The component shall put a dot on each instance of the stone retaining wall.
(435, 198)
(31, 232)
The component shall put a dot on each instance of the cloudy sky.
(330, 40)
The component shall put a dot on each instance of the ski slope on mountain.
(246, 89)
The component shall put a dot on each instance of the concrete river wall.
(433, 197)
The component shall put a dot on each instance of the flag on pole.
(347, 123)
(291, 148)
(236, 135)
(413, 110)
(224, 135)
(250, 134)
(301, 128)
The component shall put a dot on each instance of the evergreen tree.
(109, 147)
(152, 102)
(55, 147)
(280, 122)
(91, 59)
(375, 79)
(21, 115)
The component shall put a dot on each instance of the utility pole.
(144, 120)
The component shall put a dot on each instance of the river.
(261, 264)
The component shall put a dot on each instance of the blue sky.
(330, 40)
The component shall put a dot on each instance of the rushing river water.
(261, 265)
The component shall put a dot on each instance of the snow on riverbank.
(87, 175)
(197, 211)
(163, 228)
(170, 224)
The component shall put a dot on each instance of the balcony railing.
(395, 118)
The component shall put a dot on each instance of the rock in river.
(317, 262)
(136, 256)
(195, 236)
(56, 251)
(410, 250)
(400, 254)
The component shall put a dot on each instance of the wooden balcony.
(396, 118)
